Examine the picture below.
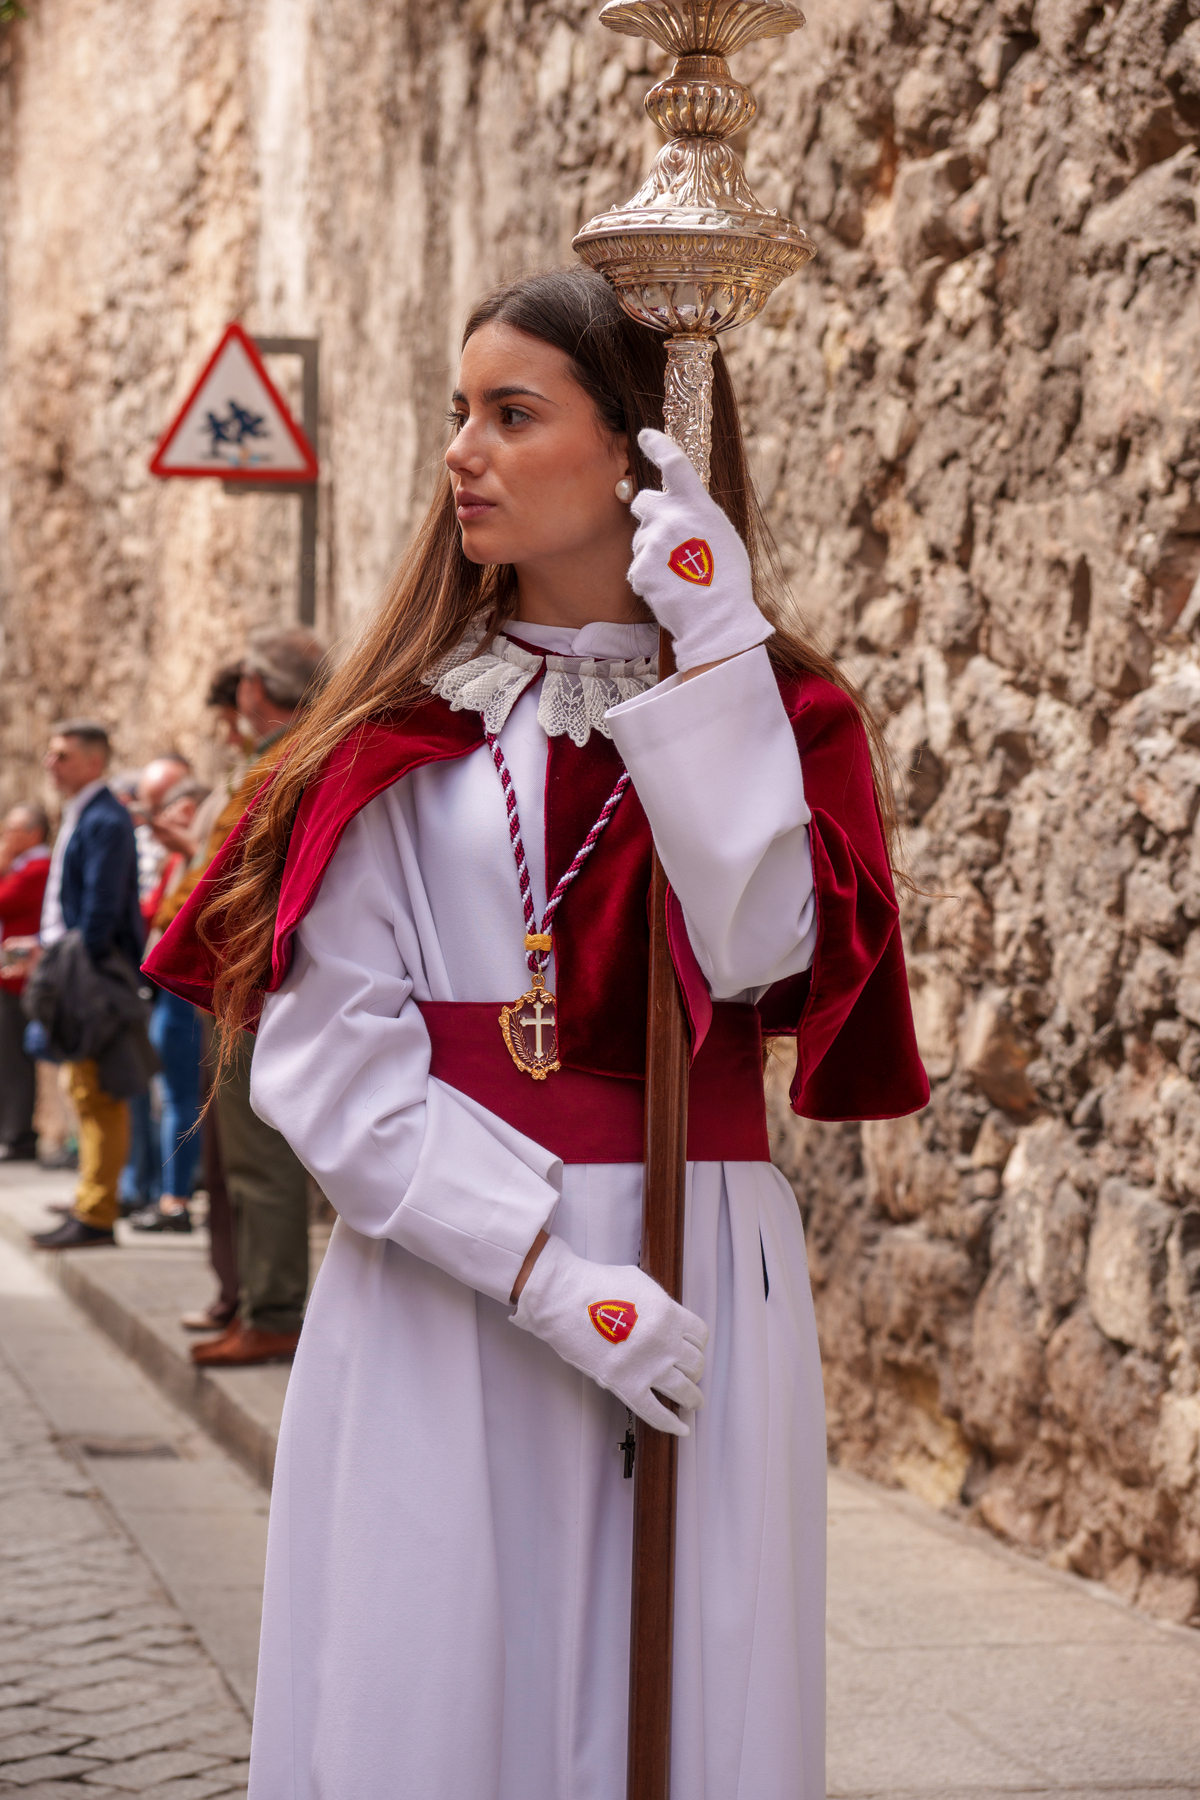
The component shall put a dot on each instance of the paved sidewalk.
(960, 1670)
(136, 1293)
(106, 1689)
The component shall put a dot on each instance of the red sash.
(588, 1118)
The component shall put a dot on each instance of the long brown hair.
(436, 592)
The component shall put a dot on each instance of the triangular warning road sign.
(235, 423)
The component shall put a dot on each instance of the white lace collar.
(576, 693)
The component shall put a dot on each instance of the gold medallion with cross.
(530, 1025)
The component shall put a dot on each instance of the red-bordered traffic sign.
(235, 423)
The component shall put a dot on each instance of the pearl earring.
(624, 489)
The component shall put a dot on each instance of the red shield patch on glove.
(613, 1319)
(693, 561)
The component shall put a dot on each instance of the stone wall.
(980, 435)
(976, 424)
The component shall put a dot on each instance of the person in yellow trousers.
(93, 889)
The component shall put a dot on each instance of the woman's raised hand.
(619, 1327)
(689, 564)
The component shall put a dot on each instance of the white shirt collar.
(53, 926)
(602, 639)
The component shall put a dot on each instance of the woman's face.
(533, 468)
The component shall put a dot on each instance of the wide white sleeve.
(341, 1068)
(715, 765)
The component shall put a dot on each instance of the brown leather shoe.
(245, 1344)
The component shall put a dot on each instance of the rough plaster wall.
(358, 172)
(127, 244)
(976, 423)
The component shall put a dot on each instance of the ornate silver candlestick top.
(693, 252)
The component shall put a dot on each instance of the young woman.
(462, 832)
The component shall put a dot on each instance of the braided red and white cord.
(536, 960)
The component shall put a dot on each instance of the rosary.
(530, 1025)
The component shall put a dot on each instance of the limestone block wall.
(975, 422)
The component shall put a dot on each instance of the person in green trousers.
(268, 1187)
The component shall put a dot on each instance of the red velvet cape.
(856, 1048)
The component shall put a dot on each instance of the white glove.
(619, 1327)
(689, 564)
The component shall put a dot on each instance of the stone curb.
(216, 1407)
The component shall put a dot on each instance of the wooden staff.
(668, 1061)
(657, 1459)
(693, 253)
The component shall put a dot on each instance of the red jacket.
(21, 894)
(856, 1048)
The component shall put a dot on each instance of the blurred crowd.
(127, 1068)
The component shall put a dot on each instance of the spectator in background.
(141, 1178)
(93, 889)
(192, 842)
(222, 697)
(222, 1228)
(174, 1025)
(124, 785)
(24, 867)
(267, 1183)
(163, 778)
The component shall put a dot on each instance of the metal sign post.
(235, 425)
(308, 349)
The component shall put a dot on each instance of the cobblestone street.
(105, 1688)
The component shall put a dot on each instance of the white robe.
(446, 1612)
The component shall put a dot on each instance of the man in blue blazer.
(92, 889)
